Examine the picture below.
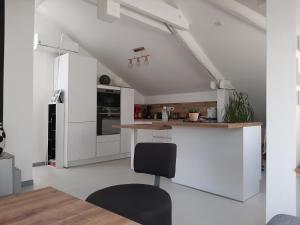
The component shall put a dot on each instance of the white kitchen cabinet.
(162, 134)
(159, 136)
(82, 89)
(108, 145)
(144, 136)
(108, 148)
(81, 143)
(127, 117)
(162, 140)
(76, 76)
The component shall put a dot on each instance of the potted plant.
(238, 109)
(2, 139)
(193, 114)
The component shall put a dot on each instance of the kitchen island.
(220, 158)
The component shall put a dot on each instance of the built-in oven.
(108, 111)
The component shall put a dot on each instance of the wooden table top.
(49, 206)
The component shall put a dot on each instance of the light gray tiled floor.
(190, 207)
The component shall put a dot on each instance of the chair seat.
(145, 204)
(284, 220)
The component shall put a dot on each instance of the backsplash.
(181, 108)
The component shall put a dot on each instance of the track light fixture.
(140, 58)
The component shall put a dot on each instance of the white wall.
(42, 91)
(18, 82)
(43, 77)
(281, 107)
(138, 98)
(184, 97)
(115, 79)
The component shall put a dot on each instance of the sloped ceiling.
(257, 5)
(236, 48)
(172, 68)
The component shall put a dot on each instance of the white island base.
(222, 161)
(219, 158)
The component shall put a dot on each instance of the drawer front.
(108, 138)
(162, 133)
(81, 141)
(144, 136)
(162, 140)
(108, 148)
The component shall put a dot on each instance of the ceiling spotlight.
(146, 62)
(138, 61)
(130, 64)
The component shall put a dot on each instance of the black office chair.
(284, 220)
(145, 204)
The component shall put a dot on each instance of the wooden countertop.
(170, 124)
(49, 206)
(210, 125)
(145, 126)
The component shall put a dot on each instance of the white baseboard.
(97, 159)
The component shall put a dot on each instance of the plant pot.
(194, 116)
(2, 139)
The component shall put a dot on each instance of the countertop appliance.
(108, 111)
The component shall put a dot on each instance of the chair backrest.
(157, 159)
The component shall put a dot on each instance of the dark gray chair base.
(284, 220)
(145, 204)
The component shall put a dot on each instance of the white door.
(82, 93)
(82, 141)
(127, 117)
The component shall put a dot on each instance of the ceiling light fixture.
(140, 55)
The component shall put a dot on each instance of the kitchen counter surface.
(210, 125)
(152, 126)
(159, 125)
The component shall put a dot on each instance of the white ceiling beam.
(144, 20)
(242, 12)
(132, 15)
(199, 53)
(154, 9)
(184, 35)
(108, 10)
(158, 10)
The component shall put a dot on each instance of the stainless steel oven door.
(105, 123)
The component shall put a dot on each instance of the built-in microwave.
(108, 111)
(108, 98)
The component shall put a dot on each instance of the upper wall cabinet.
(77, 77)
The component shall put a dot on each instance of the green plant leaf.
(238, 109)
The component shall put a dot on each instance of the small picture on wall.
(56, 97)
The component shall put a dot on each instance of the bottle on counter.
(164, 114)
